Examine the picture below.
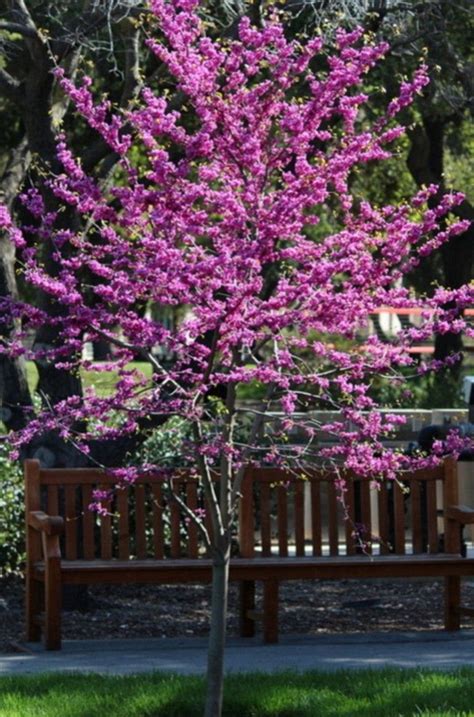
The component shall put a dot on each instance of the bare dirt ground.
(309, 607)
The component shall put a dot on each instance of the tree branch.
(16, 27)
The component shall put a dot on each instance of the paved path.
(188, 656)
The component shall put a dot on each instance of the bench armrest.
(461, 513)
(51, 525)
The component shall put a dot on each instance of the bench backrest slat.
(106, 548)
(71, 518)
(123, 523)
(451, 497)
(315, 487)
(265, 517)
(399, 518)
(415, 495)
(333, 529)
(349, 514)
(140, 522)
(365, 528)
(299, 518)
(53, 502)
(158, 532)
(175, 526)
(282, 520)
(383, 508)
(432, 516)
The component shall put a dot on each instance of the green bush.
(12, 515)
(166, 445)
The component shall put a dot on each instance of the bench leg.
(53, 598)
(270, 611)
(452, 602)
(33, 600)
(247, 604)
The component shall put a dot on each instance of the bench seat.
(87, 572)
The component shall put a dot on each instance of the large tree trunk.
(15, 398)
(426, 165)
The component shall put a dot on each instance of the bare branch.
(192, 516)
(18, 28)
(132, 80)
(208, 483)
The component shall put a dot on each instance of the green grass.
(380, 693)
(101, 380)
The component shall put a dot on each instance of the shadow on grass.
(341, 694)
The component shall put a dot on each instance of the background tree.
(213, 208)
(34, 37)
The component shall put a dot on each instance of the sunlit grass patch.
(364, 693)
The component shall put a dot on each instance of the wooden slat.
(383, 516)
(75, 476)
(106, 531)
(349, 517)
(175, 513)
(140, 522)
(365, 515)
(333, 532)
(192, 503)
(432, 518)
(316, 517)
(265, 519)
(95, 476)
(71, 516)
(452, 538)
(158, 533)
(399, 518)
(415, 499)
(88, 522)
(53, 501)
(282, 520)
(247, 517)
(299, 517)
(123, 523)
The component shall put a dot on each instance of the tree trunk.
(15, 398)
(426, 164)
(215, 657)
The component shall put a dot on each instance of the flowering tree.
(216, 208)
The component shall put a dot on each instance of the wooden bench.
(282, 536)
(299, 530)
(143, 539)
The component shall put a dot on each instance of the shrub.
(12, 507)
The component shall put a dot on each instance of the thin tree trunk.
(215, 657)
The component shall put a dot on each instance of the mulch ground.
(310, 607)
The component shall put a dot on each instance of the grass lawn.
(102, 381)
(381, 693)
